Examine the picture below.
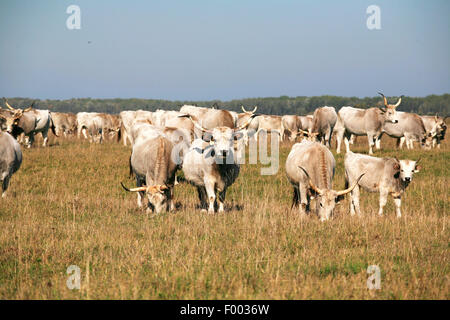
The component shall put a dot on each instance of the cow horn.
(311, 184)
(384, 98)
(253, 111)
(342, 192)
(247, 123)
(134, 189)
(196, 124)
(7, 104)
(399, 101)
(28, 109)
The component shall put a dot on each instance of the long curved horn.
(245, 111)
(7, 104)
(196, 124)
(385, 100)
(342, 192)
(399, 101)
(134, 189)
(247, 123)
(311, 184)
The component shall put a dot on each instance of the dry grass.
(65, 207)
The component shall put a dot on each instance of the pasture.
(65, 207)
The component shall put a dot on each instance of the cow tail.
(131, 168)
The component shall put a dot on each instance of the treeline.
(432, 104)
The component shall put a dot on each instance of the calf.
(383, 175)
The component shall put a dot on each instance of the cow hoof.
(203, 211)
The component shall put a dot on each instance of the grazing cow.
(65, 123)
(91, 124)
(324, 120)
(271, 123)
(410, 127)
(383, 175)
(154, 168)
(435, 127)
(310, 169)
(97, 125)
(10, 159)
(211, 166)
(29, 121)
(292, 125)
(252, 127)
(361, 122)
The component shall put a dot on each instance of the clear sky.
(209, 49)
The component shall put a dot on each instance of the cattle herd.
(204, 143)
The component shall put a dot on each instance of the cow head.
(389, 110)
(157, 196)
(13, 119)
(222, 139)
(310, 136)
(406, 169)
(327, 198)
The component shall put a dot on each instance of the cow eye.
(320, 203)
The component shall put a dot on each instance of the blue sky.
(203, 50)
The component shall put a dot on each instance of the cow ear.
(238, 135)
(339, 198)
(417, 169)
(396, 166)
(207, 137)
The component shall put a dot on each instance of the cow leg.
(5, 184)
(222, 200)
(347, 144)
(202, 197)
(383, 200)
(45, 137)
(355, 201)
(171, 203)
(125, 137)
(210, 192)
(83, 130)
(378, 143)
(339, 136)
(295, 197)
(304, 203)
(30, 140)
(398, 203)
(371, 140)
(140, 195)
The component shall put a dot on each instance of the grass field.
(65, 207)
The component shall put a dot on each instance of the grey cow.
(324, 121)
(212, 165)
(364, 122)
(10, 159)
(29, 121)
(154, 168)
(383, 175)
(436, 128)
(310, 169)
(410, 128)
